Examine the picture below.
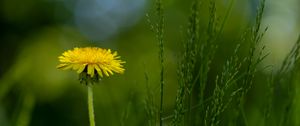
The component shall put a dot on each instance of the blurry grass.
(24, 116)
(283, 85)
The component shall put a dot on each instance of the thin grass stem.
(227, 14)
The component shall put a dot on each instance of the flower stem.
(91, 105)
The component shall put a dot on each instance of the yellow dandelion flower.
(92, 60)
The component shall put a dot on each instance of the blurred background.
(35, 32)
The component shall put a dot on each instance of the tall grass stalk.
(227, 14)
(157, 27)
(150, 106)
(190, 57)
(268, 105)
(224, 91)
(186, 69)
(160, 36)
(251, 60)
(205, 55)
(198, 54)
(255, 39)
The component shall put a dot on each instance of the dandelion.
(91, 63)
(91, 59)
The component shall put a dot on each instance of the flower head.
(91, 61)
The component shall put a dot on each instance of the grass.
(158, 29)
(197, 104)
(284, 83)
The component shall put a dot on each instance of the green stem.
(160, 35)
(91, 105)
(26, 110)
(228, 11)
(161, 103)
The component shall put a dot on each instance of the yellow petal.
(91, 70)
(104, 69)
(76, 66)
(98, 70)
(115, 53)
(120, 70)
(109, 70)
(105, 72)
(60, 66)
(81, 68)
(69, 66)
